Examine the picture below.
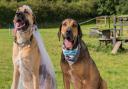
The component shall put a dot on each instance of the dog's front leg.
(66, 80)
(36, 80)
(16, 75)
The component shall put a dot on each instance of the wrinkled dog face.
(23, 22)
(70, 31)
(23, 18)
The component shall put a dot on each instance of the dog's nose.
(69, 34)
(19, 14)
(68, 31)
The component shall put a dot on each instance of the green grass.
(113, 68)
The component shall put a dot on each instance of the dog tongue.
(15, 28)
(68, 44)
(17, 25)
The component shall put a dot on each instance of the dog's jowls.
(77, 65)
(30, 70)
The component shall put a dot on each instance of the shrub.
(49, 11)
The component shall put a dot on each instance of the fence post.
(114, 31)
(121, 26)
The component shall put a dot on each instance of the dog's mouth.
(68, 40)
(68, 43)
(19, 24)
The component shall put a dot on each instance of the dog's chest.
(72, 76)
(24, 63)
(23, 56)
(75, 73)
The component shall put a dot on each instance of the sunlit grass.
(113, 68)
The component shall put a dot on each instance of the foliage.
(110, 7)
(49, 10)
(122, 7)
(106, 7)
(52, 11)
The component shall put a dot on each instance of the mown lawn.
(113, 68)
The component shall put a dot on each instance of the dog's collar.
(71, 56)
(27, 42)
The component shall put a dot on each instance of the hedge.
(49, 11)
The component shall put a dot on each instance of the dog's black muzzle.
(21, 19)
(20, 16)
(69, 34)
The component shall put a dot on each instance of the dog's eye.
(74, 25)
(26, 12)
(64, 24)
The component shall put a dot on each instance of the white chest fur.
(25, 71)
(71, 74)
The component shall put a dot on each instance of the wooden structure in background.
(118, 36)
(108, 34)
(120, 21)
(106, 37)
(116, 47)
(115, 36)
(103, 21)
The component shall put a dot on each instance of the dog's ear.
(59, 32)
(34, 20)
(79, 32)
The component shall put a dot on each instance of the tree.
(122, 7)
(106, 7)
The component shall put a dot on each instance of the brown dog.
(29, 72)
(76, 63)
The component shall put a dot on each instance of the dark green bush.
(49, 11)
